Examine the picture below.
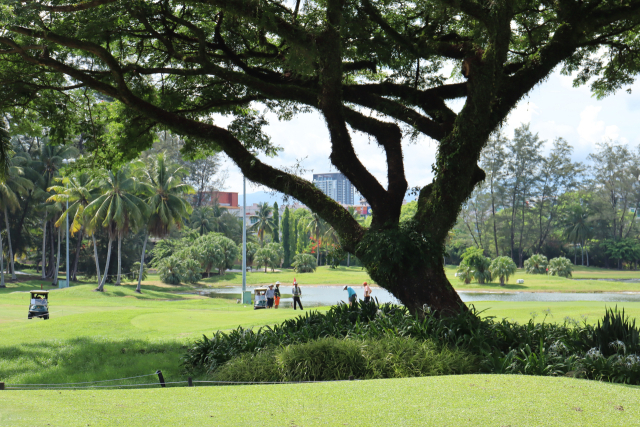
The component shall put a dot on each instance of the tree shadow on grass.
(90, 359)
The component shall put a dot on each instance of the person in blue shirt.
(352, 295)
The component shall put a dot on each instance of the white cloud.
(524, 112)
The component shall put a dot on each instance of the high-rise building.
(336, 186)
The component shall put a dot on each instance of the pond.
(329, 295)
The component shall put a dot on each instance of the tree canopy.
(374, 66)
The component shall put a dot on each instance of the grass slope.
(96, 336)
(469, 400)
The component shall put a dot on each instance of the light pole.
(244, 239)
(66, 162)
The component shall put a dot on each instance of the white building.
(336, 186)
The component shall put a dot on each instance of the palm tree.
(162, 184)
(203, 220)
(316, 226)
(5, 152)
(49, 163)
(13, 185)
(79, 190)
(118, 210)
(264, 223)
(577, 229)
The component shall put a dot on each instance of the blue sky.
(554, 109)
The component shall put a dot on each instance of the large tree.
(373, 66)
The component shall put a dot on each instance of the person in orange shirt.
(367, 293)
(277, 294)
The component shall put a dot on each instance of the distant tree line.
(532, 202)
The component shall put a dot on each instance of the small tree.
(560, 266)
(503, 267)
(479, 264)
(304, 263)
(286, 239)
(229, 253)
(278, 251)
(537, 264)
(464, 273)
(264, 257)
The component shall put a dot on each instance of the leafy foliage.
(503, 267)
(172, 270)
(464, 273)
(560, 266)
(536, 264)
(304, 263)
(395, 343)
(474, 258)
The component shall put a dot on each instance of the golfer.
(277, 294)
(353, 297)
(367, 293)
(297, 292)
(270, 296)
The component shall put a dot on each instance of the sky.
(554, 109)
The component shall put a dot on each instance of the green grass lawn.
(95, 336)
(466, 400)
(532, 283)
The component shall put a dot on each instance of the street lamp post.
(244, 239)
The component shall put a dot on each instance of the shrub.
(192, 271)
(560, 266)
(465, 273)
(171, 270)
(465, 342)
(474, 258)
(324, 359)
(537, 264)
(328, 359)
(135, 271)
(304, 263)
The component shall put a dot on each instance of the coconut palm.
(49, 162)
(78, 190)
(14, 185)
(165, 192)
(203, 220)
(265, 221)
(118, 210)
(316, 226)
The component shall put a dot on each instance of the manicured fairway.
(532, 283)
(557, 312)
(469, 400)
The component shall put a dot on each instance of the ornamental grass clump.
(537, 264)
(560, 266)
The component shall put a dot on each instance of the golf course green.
(93, 336)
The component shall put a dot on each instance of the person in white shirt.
(297, 292)
(270, 296)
